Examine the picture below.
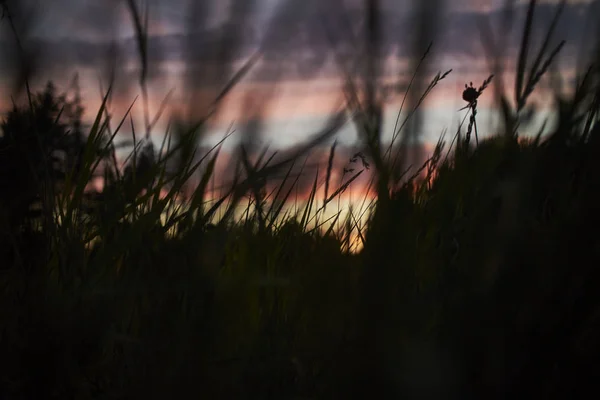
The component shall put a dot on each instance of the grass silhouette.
(477, 276)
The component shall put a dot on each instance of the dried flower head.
(470, 94)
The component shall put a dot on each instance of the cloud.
(296, 49)
(294, 35)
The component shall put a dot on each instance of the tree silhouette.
(39, 144)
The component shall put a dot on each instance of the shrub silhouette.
(39, 144)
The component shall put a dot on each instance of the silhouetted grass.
(477, 275)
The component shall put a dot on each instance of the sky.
(295, 85)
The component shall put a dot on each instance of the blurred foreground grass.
(477, 278)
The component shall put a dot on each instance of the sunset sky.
(296, 83)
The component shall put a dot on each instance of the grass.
(474, 277)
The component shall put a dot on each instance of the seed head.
(470, 94)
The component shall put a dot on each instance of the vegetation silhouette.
(477, 275)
